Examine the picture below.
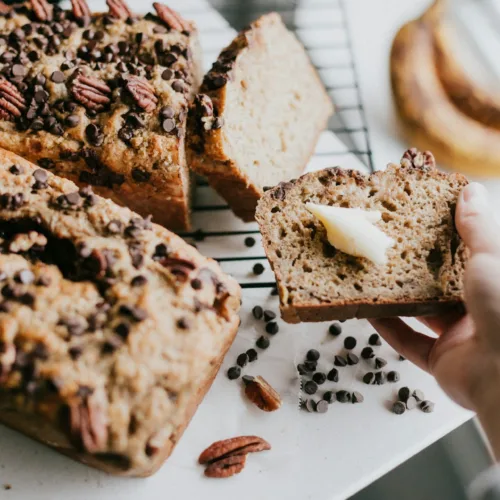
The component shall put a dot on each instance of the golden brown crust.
(107, 106)
(111, 328)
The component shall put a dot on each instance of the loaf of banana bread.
(102, 99)
(111, 327)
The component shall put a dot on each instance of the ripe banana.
(467, 96)
(430, 119)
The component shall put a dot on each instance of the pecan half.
(415, 158)
(171, 18)
(119, 9)
(42, 10)
(4, 9)
(81, 11)
(260, 392)
(88, 425)
(230, 447)
(226, 467)
(12, 102)
(142, 93)
(89, 91)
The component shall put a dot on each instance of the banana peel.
(430, 118)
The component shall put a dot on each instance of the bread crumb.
(7, 486)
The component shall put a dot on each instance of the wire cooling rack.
(323, 27)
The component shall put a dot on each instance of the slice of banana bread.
(259, 115)
(424, 271)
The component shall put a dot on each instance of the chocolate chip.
(234, 372)
(357, 397)
(26, 277)
(398, 408)
(257, 312)
(404, 394)
(72, 121)
(196, 284)
(427, 406)
(330, 397)
(41, 178)
(73, 198)
(322, 406)
(112, 344)
(138, 280)
(310, 387)
(367, 353)
(374, 339)
(380, 363)
(140, 175)
(335, 329)
(167, 74)
(19, 70)
(340, 361)
(252, 355)
(309, 405)
(310, 366)
(350, 342)
(418, 395)
(352, 359)
(179, 86)
(393, 376)
(258, 269)
(249, 242)
(57, 77)
(27, 299)
(167, 112)
(168, 125)
(94, 134)
(333, 375)
(302, 369)
(312, 355)
(246, 379)
(369, 378)
(269, 315)
(379, 378)
(75, 352)
(242, 359)
(115, 226)
(262, 342)
(402, 358)
(16, 169)
(123, 330)
(272, 328)
(319, 378)
(135, 312)
(343, 396)
(411, 403)
(183, 323)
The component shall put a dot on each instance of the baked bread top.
(102, 99)
(425, 267)
(109, 325)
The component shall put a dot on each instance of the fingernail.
(475, 195)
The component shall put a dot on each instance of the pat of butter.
(352, 231)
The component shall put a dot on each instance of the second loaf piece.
(258, 117)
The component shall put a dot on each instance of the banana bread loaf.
(258, 117)
(102, 99)
(425, 267)
(111, 328)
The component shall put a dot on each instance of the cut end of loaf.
(316, 282)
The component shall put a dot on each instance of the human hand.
(465, 356)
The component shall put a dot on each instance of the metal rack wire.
(323, 27)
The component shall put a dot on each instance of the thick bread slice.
(259, 115)
(318, 283)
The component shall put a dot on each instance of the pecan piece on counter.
(89, 91)
(260, 392)
(142, 93)
(119, 9)
(12, 102)
(171, 18)
(234, 446)
(42, 10)
(81, 11)
(226, 467)
(415, 158)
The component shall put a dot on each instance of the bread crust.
(210, 149)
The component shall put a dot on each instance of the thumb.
(475, 220)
